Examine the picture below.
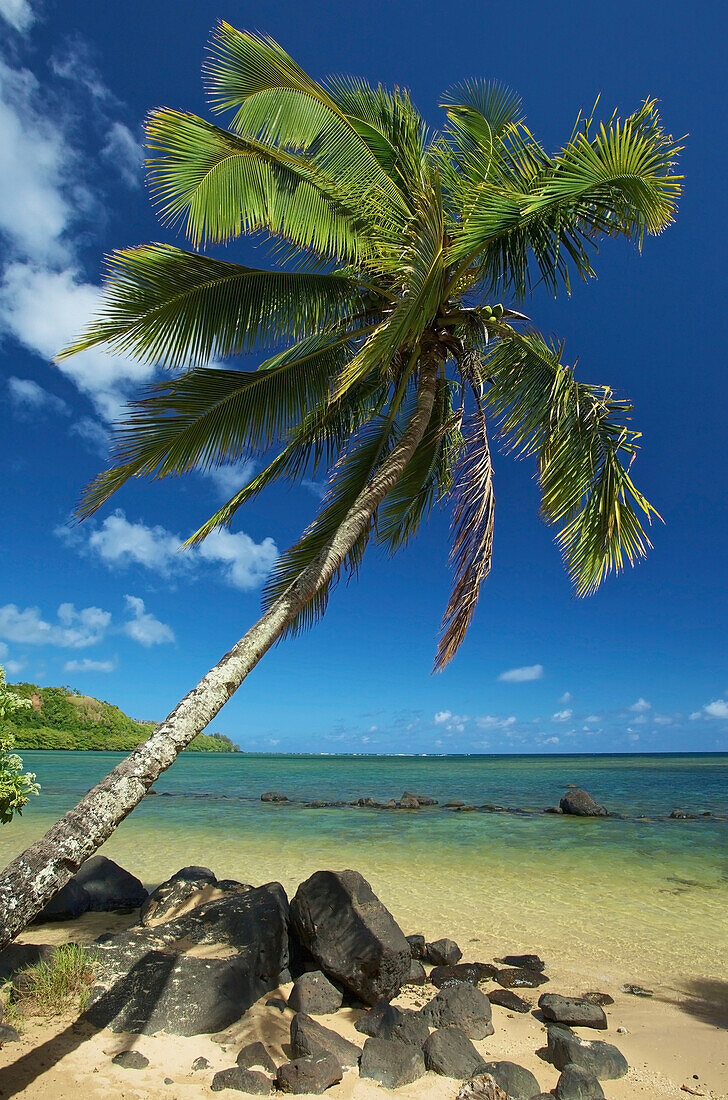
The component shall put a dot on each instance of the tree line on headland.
(60, 718)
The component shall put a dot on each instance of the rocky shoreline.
(205, 951)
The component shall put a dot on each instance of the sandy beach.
(674, 1041)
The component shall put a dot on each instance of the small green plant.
(60, 985)
(16, 786)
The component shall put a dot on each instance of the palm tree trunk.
(31, 880)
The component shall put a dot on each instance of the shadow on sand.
(704, 998)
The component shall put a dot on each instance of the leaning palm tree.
(391, 354)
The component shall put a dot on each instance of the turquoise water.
(643, 894)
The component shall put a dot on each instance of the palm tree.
(391, 355)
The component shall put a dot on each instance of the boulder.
(354, 938)
(190, 886)
(70, 902)
(422, 799)
(310, 1038)
(578, 1084)
(506, 998)
(417, 975)
(418, 948)
(443, 952)
(518, 1083)
(379, 1021)
(255, 1054)
(196, 974)
(449, 1052)
(8, 1034)
(527, 962)
(390, 1063)
(602, 1060)
(306, 1076)
(409, 802)
(412, 1028)
(109, 886)
(581, 804)
(462, 972)
(19, 956)
(314, 994)
(460, 1005)
(682, 815)
(130, 1059)
(481, 1087)
(249, 1081)
(517, 977)
(274, 796)
(572, 1011)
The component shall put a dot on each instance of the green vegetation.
(16, 786)
(57, 987)
(59, 718)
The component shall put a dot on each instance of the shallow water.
(642, 899)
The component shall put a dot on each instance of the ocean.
(638, 898)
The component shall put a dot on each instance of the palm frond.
(164, 305)
(580, 436)
(472, 535)
(221, 186)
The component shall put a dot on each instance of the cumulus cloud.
(121, 543)
(123, 152)
(522, 675)
(74, 629)
(717, 709)
(93, 434)
(640, 706)
(143, 627)
(229, 479)
(566, 697)
(493, 722)
(18, 13)
(87, 665)
(29, 399)
(562, 715)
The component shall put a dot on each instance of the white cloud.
(18, 13)
(566, 697)
(663, 719)
(717, 709)
(87, 665)
(562, 715)
(551, 741)
(143, 627)
(492, 722)
(230, 479)
(442, 716)
(593, 718)
(522, 675)
(27, 397)
(124, 152)
(75, 628)
(3, 651)
(640, 706)
(93, 434)
(120, 543)
(34, 209)
(14, 667)
(74, 63)
(67, 305)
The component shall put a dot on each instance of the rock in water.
(529, 962)
(462, 972)
(314, 994)
(518, 1083)
(481, 1087)
(309, 1038)
(306, 1076)
(390, 1063)
(572, 1011)
(449, 1052)
(517, 977)
(274, 796)
(461, 1005)
(581, 804)
(353, 937)
(602, 1060)
(443, 953)
(147, 982)
(109, 886)
(242, 1080)
(507, 999)
(577, 1084)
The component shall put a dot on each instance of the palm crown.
(399, 247)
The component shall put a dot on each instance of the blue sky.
(113, 609)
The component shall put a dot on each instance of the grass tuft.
(59, 986)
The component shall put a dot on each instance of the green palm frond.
(278, 103)
(221, 186)
(483, 108)
(584, 447)
(178, 308)
(472, 535)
